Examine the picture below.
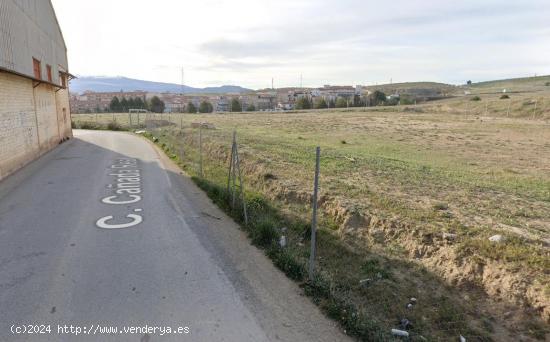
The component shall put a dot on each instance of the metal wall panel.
(29, 29)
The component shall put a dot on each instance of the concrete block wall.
(31, 121)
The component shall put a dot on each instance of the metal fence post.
(314, 217)
(200, 150)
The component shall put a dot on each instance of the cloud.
(349, 41)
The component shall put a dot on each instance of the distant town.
(279, 99)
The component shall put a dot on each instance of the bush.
(321, 104)
(206, 107)
(114, 126)
(502, 97)
(376, 98)
(191, 108)
(303, 103)
(475, 98)
(341, 103)
(89, 125)
(547, 84)
(264, 233)
(287, 263)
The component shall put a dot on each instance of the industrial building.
(34, 96)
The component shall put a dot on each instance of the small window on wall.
(49, 72)
(36, 68)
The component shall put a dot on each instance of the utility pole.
(182, 77)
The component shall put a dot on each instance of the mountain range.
(112, 84)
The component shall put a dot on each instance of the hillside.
(422, 89)
(104, 84)
(525, 84)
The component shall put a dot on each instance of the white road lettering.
(102, 222)
(126, 189)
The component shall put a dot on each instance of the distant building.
(34, 74)
(332, 93)
(91, 101)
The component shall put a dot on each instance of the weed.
(475, 98)
(441, 206)
(287, 263)
(114, 126)
(372, 269)
(264, 232)
(89, 125)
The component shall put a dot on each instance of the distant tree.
(191, 108)
(321, 104)
(341, 103)
(406, 100)
(156, 105)
(138, 103)
(131, 103)
(250, 108)
(236, 105)
(376, 98)
(206, 107)
(124, 105)
(97, 109)
(331, 104)
(303, 103)
(394, 101)
(357, 102)
(469, 82)
(114, 106)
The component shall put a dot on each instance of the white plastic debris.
(140, 132)
(364, 281)
(497, 238)
(282, 241)
(413, 300)
(449, 236)
(398, 332)
(409, 306)
(462, 339)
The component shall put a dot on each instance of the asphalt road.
(103, 232)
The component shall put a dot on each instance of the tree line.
(376, 98)
(155, 104)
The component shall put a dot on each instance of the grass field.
(409, 197)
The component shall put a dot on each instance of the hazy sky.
(247, 42)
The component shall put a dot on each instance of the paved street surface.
(103, 232)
